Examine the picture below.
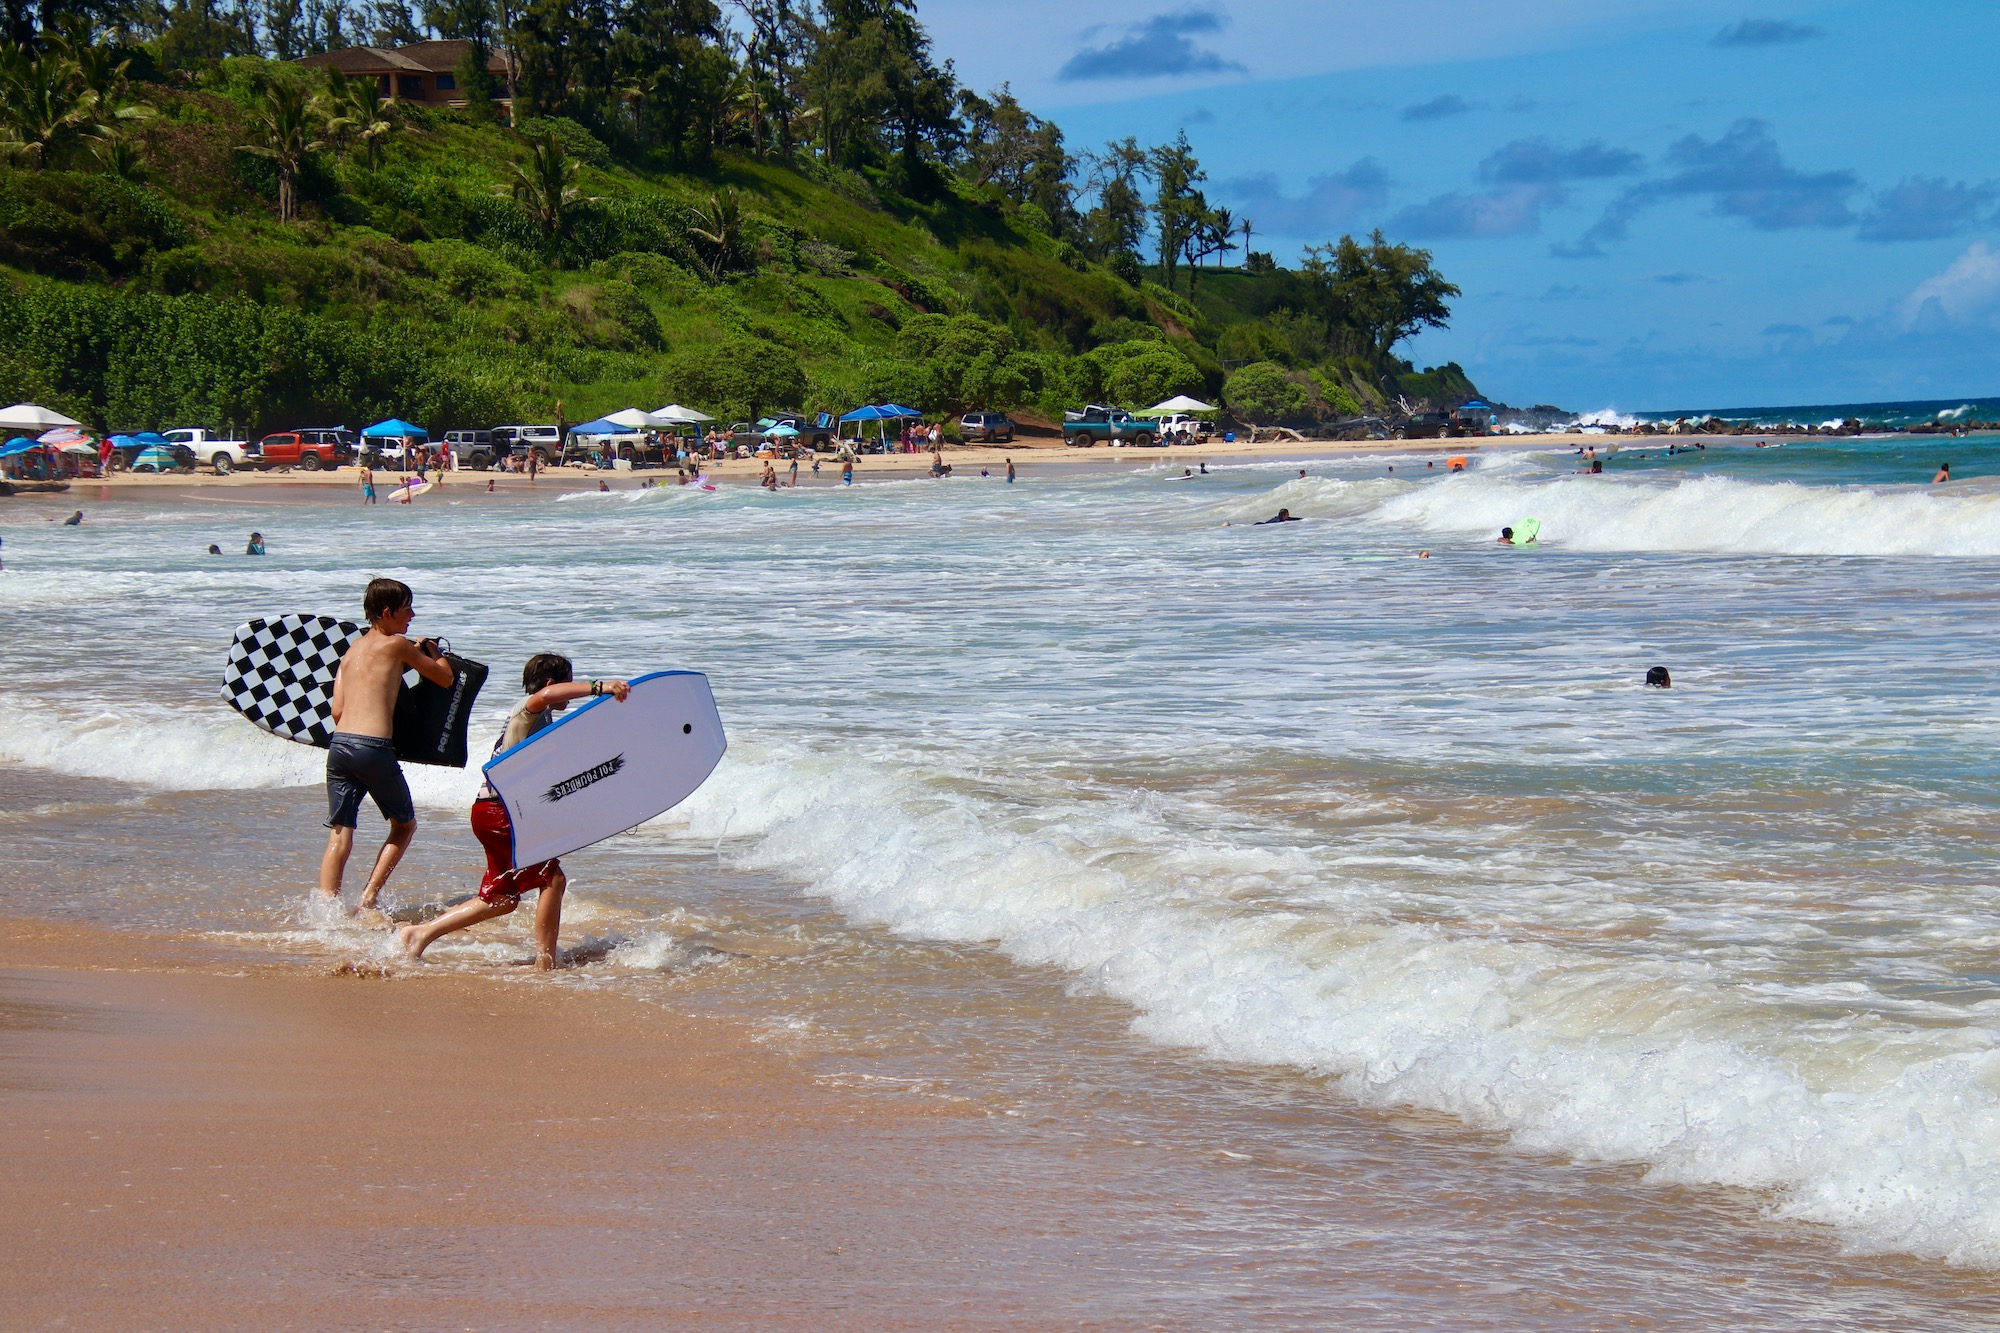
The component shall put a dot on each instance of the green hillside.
(444, 267)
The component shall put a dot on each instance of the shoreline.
(966, 460)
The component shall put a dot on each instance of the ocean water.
(1405, 832)
(1906, 413)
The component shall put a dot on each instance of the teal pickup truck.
(1097, 424)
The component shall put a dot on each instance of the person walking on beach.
(547, 679)
(367, 485)
(361, 756)
(534, 459)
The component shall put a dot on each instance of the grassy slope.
(428, 250)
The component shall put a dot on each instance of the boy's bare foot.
(403, 934)
(546, 962)
(371, 916)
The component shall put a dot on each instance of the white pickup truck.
(225, 456)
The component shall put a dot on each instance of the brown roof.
(442, 57)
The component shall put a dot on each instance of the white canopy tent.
(630, 418)
(673, 414)
(1178, 403)
(28, 418)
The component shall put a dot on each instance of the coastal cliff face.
(457, 271)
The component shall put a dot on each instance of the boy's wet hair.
(384, 596)
(544, 670)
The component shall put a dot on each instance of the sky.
(1649, 206)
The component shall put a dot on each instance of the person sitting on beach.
(256, 546)
(361, 756)
(547, 679)
(1943, 473)
(1282, 516)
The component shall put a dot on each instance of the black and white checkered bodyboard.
(280, 674)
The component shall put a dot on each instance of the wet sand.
(205, 1139)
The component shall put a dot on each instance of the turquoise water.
(1290, 795)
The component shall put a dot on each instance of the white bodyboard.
(608, 766)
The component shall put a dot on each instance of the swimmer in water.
(1943, 473)
(1657, 678)
(1282, 516)
(1506, 537)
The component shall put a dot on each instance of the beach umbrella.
(28, 416)
(781, 431)
(395, 428)
(80, 447)
(20, 444)
(673, 414)
(1178, 403)
(66, 435)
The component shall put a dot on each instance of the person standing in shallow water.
(546, 678)
(361, 755)
(1943, 473)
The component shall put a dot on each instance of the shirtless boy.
(361, 758)
(546, 678)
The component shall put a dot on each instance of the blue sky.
(1648, 205)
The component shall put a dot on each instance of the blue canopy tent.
(395, 428)
(897, 410)
(601, 426)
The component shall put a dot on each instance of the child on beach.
(361, 757)
(546, 678)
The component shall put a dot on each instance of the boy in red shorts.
(546, 678)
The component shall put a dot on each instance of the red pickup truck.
(310, 449)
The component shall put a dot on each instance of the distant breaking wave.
(1722, 515)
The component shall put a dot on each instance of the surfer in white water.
(1282, 516)
(547, 679)
(361, 756)
(1506, 537)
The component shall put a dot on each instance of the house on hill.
(420, 72)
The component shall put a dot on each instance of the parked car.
(545, 442)
(814, 429)
(225, 456)
(1097, 424)
(164, 458)
(309, 448)
(474, 449)
(634, 446)
(1181, 427)
(988, 426)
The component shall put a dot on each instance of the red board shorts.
(503, 883)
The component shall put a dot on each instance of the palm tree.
(368, 114)
(283, 127)
(119, 157)
(45, 105)
(545, 186)
(719, 226)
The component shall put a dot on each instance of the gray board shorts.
(358, 766)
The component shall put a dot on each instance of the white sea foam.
(196, 749)
(1715, 514)
(1649, 1062)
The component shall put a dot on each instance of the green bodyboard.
(1526, 531)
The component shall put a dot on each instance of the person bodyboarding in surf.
(550, 689)
(361, 754)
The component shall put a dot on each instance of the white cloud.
(1970, 287)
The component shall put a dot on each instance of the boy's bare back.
(371, 674)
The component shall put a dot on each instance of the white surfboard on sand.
(607, 766)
